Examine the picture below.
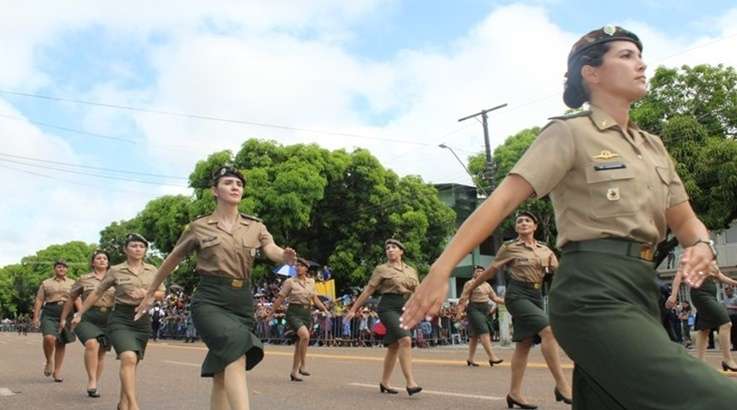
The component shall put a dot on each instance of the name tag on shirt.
(609, 166)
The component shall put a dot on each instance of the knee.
(49, 339)
(405, 343)
(91, 344)
(128, 359)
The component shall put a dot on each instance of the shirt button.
(639, 156)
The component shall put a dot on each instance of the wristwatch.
(708, 243)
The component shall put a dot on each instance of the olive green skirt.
(93, 326)
(126, 334)
(50, 314)
(710, 313)
(479, 320)
(604, 313)
(525, 305)
(223, 317)
(298, 316)
(389, 310)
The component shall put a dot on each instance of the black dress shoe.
(493, 362)
(726, 367)
(512, 402)
(304, 373)
(413, 390)
(471, 364)
(560, 397)
(387, 390)
(93, 393)
(59, 380)
(294, 378)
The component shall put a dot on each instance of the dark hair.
(99, 252)
(575, 92)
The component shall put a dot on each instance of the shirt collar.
(604, 121)
(519, 241)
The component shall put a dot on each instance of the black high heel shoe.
(512, 402)
(560, 397)
(93, 393)
(726, 367)
(387, 390)
(413, 390)
(493, 362)
(294, 378)
(304, 373)
(471, 364)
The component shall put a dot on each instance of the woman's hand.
(36, 323)
(427, 299)
(696, 264)
(62, 324)
(144, 306)
(670, 303)
(75, 320)
(349, 315)
(289, 256)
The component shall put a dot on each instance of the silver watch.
(708, 243)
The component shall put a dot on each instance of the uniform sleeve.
(502, 258)
(548, 159)
(676, 190)
(41, 294)
(376, 278)
(264, 237)
(107, 281)
(466, 286)
(76, 289)
(187, 242)
(553, 261)
(286, 289)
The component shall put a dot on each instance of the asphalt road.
(342, 378)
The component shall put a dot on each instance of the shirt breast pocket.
(612, 190)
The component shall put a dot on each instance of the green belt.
(232, 282)
(613, 246)
(299, 305)
(531, 285)
(404, 296)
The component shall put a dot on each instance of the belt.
(619, 247)
(405, 296)
(234, 283)
(531, 285)
(102, 309)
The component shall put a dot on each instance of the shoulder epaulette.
(584, 113)
(251, 217)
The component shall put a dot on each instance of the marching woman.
(127, 334)
(394, 281)
(615, 191)
(299, 292)
(479, 316)
(226, 243)
(527, 261)
(51, 295)
(93, 325)
(712, 314)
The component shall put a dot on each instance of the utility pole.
(490, 164)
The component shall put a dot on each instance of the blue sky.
(397, 70)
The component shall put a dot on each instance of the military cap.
(304, 262)
(61, 262)
(227, 171)
(395, 242)
(135, 237)
(478, 267)
(528, 213)
(600, 36)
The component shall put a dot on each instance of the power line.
(92, 167)
(207, 117)
(60, 128)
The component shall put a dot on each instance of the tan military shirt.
(298, 292)
(53, 290)
(525, 263)
(87, 284)
(222, 253)
(389, 279)
(481, 294)
(603, 182)
(125, 281)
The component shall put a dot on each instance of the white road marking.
(4, 391)
(182, 363)
(438, 393)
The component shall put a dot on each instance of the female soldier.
(299, 292)
(712, 314)
(395, 281)
(52, 294)
(614, 190)
(226, 243)
(92, 327)
(528, 261)
(479, 318)
(127, 334)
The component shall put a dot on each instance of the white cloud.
(255, 63)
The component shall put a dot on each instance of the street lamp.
(463, 165)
